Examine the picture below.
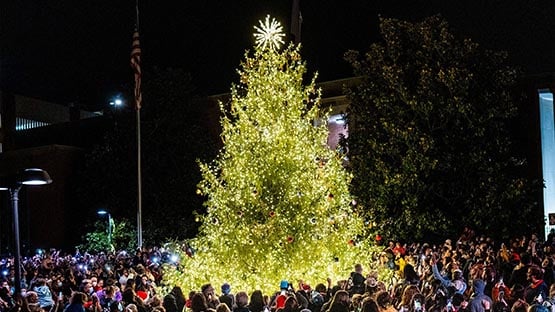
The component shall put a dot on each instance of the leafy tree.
(169, 169)
(429, 140)
(97, 240)
(278, 204)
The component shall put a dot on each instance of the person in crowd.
(518, 275)
(211, 299)
(548, 273)
(141, 287)
(369, 305)
(356, 281)
(241, 302)
(198, 303)
(410, 276)
(110, 286)
(76, 302)
(458, 303)
(340, 302)
(317, 298)
(86, 288)
(131, 308)
(385, 302)
(291, 305)
(129, 297)
(174, 301)
(536, 291)
(480, 302)
(406, 298)
(96, 284)
(108, 298)
(304, 295)
(170, 303)
(278, 301)
(32, 298)
(520, 306)
(45, 295)
(371, 284)
(457, 282)
(257, 303)
(356, 303)
(323, 291)
(154, 303)
(222, 307)
(489, 275)
(226, 296)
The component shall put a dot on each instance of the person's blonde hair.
(552, 291)
(131, 308)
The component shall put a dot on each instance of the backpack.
(316, 298)
(280, 301)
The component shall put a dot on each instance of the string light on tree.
(271, 200)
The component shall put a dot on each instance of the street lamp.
(30, 176)
(103, 212)
(116, 102)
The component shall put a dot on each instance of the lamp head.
(34, 176)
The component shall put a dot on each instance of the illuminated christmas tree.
(278, 205)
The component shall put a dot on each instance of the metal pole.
(139, 184)
(14, 197)
(139, 179)
(110, 231)
(296, 21)
(137, 13)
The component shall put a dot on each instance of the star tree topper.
(269, 35)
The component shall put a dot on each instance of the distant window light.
(26, 124)
(337, 128)
(337, 119)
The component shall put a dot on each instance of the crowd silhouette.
(471, 274)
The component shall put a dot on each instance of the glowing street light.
(116, 102)
(30, 176)
(103, 212)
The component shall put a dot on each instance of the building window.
(25, 124)
(336, 128)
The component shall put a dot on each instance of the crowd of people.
(472, 274)
(55, 282)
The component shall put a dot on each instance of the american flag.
(136, 65)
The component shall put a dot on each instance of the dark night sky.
(78, 51)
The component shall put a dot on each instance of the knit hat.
(284, 284)
(226, 289)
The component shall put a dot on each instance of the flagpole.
(139, 175)
(139, 184)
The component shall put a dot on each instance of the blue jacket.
(459, 285)
(476, 304)
(45, 296)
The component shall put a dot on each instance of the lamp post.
(30, 176)
(103, 212)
